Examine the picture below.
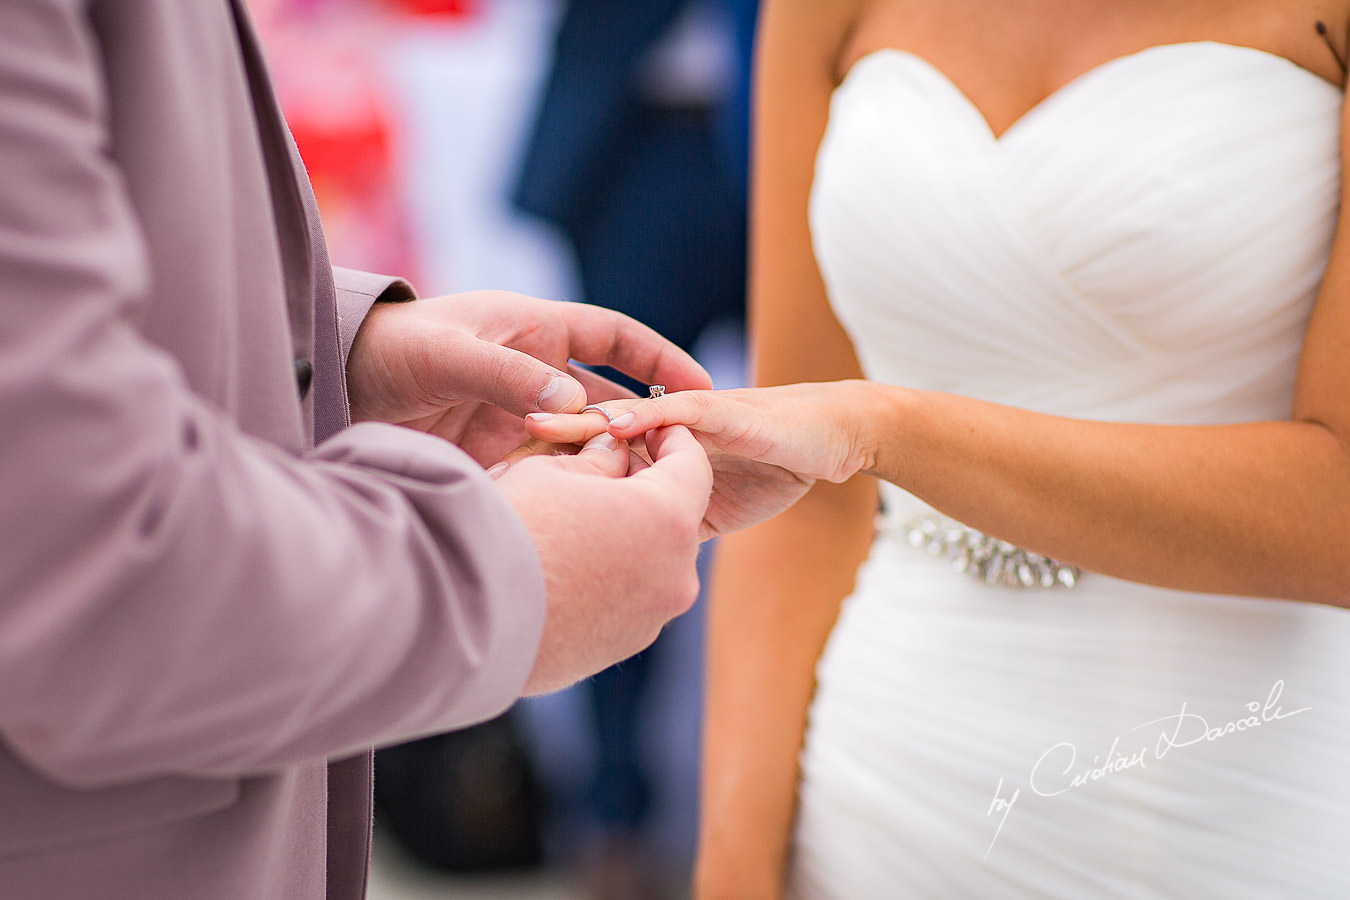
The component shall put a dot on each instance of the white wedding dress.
(1145, 245)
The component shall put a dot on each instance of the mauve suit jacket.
(199, 611)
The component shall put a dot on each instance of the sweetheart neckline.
(1075, 84)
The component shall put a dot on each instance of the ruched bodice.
(1144, 245)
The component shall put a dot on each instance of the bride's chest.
(1188, 189)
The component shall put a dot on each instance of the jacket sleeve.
(356, 293)
(176, 596)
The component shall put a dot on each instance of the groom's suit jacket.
(199, 611)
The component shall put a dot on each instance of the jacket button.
(304, 375)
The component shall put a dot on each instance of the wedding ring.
(656, 390)
(600, 409)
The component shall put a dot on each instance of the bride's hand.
(767, 445)
(813, 430)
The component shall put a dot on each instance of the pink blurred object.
(451, 9)
(342, 113)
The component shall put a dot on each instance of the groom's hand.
(618, 543)
(466, 367)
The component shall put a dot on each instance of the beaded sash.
(978, 555)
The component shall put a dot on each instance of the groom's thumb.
(601, 455)
(604, 454)
(485, 372)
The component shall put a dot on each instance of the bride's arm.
(774, 599)
(777, 587)
(1260, 509)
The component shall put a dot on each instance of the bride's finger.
(708, 412)
(575, 428)
(571, 428)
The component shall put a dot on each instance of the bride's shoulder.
(813, 29)
(1324, 49)
(862, 27)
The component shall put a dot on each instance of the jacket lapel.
(310, 293)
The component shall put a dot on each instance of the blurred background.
(592, 150)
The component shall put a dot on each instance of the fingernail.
(558, 394)
(541, 417)
(605, 442)
(495, 471)
(623, 421)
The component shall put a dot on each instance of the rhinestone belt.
(978, 555)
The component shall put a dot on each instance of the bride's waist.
(923, 559)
